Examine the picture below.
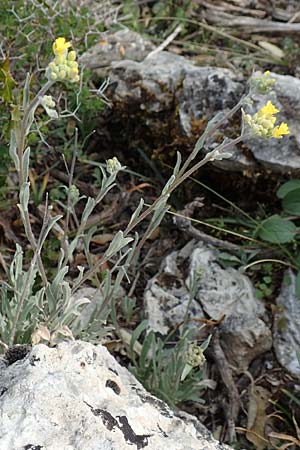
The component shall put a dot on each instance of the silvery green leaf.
(13, 150)
(72, 246)
(198, 146)
(22, 214)
(186, 370)
(58, 280)
(157, 218)
(221, 155)
(53, 290)
(137, 212)
(30, 119)
(80, 275)
(24, 196)
(60, 259)
(26, 91)
(50, 225)
(217, 118)
(16, 267)
(52, 113)
(205, 344)
(107, 284)
(178, 164)
(168, 184)
(26, 157)
(104, 190)
(88, 236)
(200, 142)
(89, 206)
(117, 244)
(161, 204)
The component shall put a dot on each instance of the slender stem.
(21, 137)
(213, 129)
(29, 277)
(262, 261)
(69, 203)
(180, 179)
(24, 123)
(149, 210)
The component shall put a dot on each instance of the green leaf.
(291, 202)
(276, 230)
(287, 187)
(136, 334)
(297, 286)
(7, 81)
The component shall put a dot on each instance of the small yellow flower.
(72, 56)
(280, 130)
(60, 46)
(268, 110)
(263, 122)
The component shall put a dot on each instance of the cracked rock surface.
(286, 329)
(221, 293)
(77, 397)
(167, 87)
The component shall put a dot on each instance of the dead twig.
(233, 395)
(185, 225)
(249, 24)
(165, 43)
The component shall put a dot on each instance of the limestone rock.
(116, 46)
(77, 397)
(287, 326)
(281, 154)
(166, 81)
(170, 88)
(244, 335)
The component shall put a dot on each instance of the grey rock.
(167, 85)
(77, 397)
(165, 81)
(286, 333)
(116, 46)
(220, 292)
(281, 155)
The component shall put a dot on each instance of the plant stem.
(150, 209)
(29, 277)
(21, 137)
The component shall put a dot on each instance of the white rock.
(77, 397)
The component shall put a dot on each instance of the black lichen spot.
(159, 404)
(219, 80)
(114, 386)
(33, 447)
(16, 353)
(34, 360)
(113, 371)
(108, 420)
(162, 431)
(82, 364)
(2, 391)
(140, 440)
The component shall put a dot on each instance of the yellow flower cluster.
(64, 66)
(262, 84)
(263, 122)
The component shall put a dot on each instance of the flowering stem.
(213, 129)
(149, 210)
(30, 275)
(21, 143)
(184, 176)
